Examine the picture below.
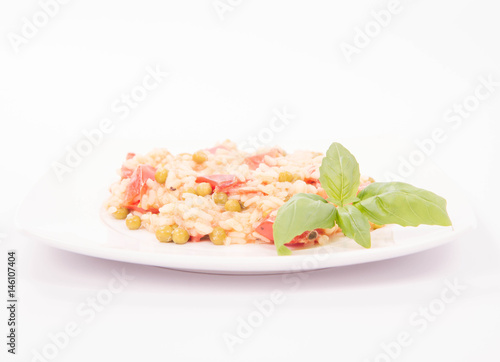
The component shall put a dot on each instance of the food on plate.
(227, 196)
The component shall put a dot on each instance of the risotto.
(221, 194)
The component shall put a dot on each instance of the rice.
(253, 182)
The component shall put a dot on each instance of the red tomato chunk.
(137, 186)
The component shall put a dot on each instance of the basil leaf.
(403, 204)
(301, 213)
(354, 225)
(339, 175)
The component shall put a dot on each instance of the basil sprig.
(380, 202)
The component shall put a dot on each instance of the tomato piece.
(266, 229)
(137, 186)
(195, 238)
(219, 181)
(135, 207)
(312, 181)
(301, 239)
(306, 237)
(126, 172)
(254, 161)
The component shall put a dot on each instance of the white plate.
(68, 215)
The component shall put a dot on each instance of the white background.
(226, 75)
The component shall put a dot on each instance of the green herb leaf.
(354, 225)
(339, 175)
(301, 213)
(403, 204)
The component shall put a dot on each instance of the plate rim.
(247, 264)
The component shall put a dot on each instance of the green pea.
(133, 222)
(203, 189)
(120, 213)
(180, 236)
(200, 157)
(233, 205)
(161, 176)
(164, 233)
(220, 198)
(218, 235)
